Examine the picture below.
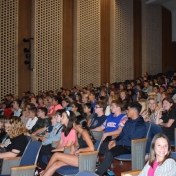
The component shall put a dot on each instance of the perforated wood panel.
(87, 42)
(151, 38)
(47, 45)
(121, 44)
(8, 48)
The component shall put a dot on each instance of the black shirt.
(166, 116)
(19, 143)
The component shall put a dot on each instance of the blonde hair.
(113, 97)
(16, 127)
(152, 95)
(148, 109)
(143, 102)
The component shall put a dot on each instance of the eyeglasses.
(97, 107)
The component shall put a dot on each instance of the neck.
(88, 113)
(135, 117)
(100, 114)
(117, 113)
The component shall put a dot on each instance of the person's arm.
(89, 122)
(113, 133)
(100, 128)
(168, 124)
(13, 153)
(59, 146)
(39, 130)
(158, 117)
(87, 139)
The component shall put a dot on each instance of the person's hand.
(111, 144)
(77, 152)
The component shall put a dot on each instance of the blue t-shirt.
(112, 122)
(97, 121)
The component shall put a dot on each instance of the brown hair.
(118, 103)
(16, 127)
(170, 100)
(102, 104)
(152, 153)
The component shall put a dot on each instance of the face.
(15, 105)
(7, 125)
(86, 109)
(155, 90)
(121, 87)
(54, 102)
(31, 114)
(40, 100)
(64, 119)
(45, 101)
(146, 84)
(161, 148)
(152, 104)
(84, 99)
(73, 108)
(114, 108)
(129, 86)
(58, 117)
(122, 95)
(91, 97)
(98, 109)
(53, 120)
(103, 93)
(33, 100)
(40, 113)
(64, 104)
(167, 105)
(1, 125)
(161, 90)
(130, 112)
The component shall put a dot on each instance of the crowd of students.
(122, 111)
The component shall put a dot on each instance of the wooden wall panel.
(173, 63)
(166, 40)
(137, 32)
(67, 62)
(24, 31)
(105, 40)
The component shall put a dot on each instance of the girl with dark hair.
(76, 108)
(85, 140)
(66, 104)
(87, 110)
(159, 162)
(166, 117)
(78, 98)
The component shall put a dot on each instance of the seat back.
(97, 135)
(86, 173)
(31, 153)
(87, 161)
(131, 173)
(138, 147)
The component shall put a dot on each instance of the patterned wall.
(8, 48)
(151, 38)
(87, 42)
(121, 36)
(47, 45)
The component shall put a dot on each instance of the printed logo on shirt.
(7, 142)
(95, 123)
(111, 124)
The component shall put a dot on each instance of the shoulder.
(169, 163)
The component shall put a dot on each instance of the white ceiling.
(169, 4)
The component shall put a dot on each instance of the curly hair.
(16, 127)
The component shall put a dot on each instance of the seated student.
(160, 163)
(67, 138)
(134, 129)
(40, 102)
(66, 104)
(2, 128)
(16, 106)
(93, 101)
(42, 123)
(75, 108)
(55, 106)
(99, 117)
(25, 116)
(32, 118)
(16, 143)
(34, 101)
(168, 118)
(85, 140)
(114, 123)
(87, 110)
(55, 134)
